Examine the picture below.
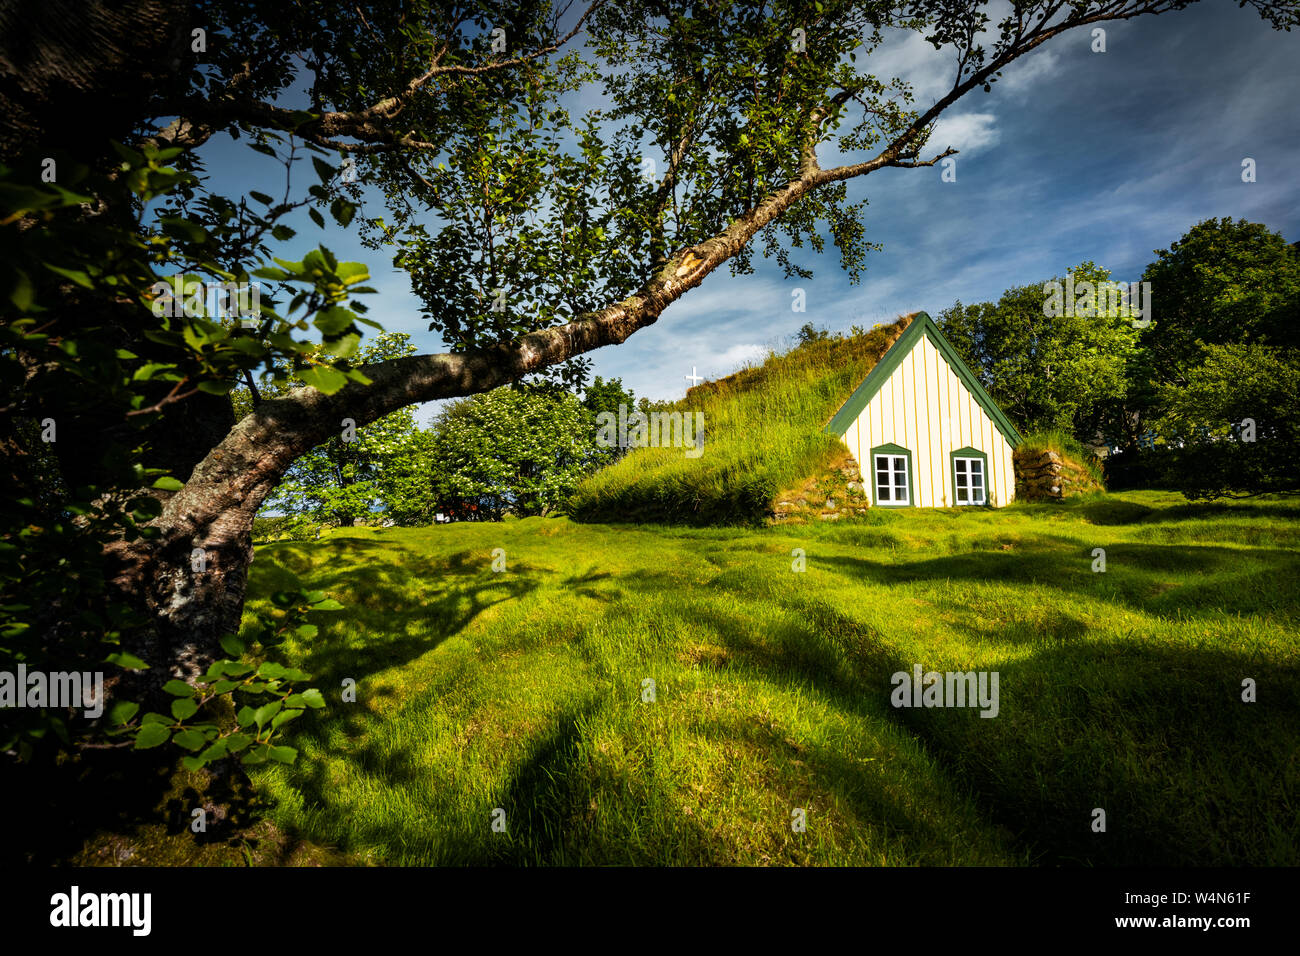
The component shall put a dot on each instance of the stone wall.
(835, 493)
(1045, 475)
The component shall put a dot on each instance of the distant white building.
(924, 431)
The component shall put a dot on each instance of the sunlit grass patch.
(527, 691)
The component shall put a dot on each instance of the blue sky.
(1075, 155)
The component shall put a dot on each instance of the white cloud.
(908, 56)
(1027, 73)
(967, 132)
(738, 357)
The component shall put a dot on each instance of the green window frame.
(966, 455)
(892, 452)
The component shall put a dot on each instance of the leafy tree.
(513, 450)
(1049, 372)
(363, 473)
(1235, 424)
(1222, 282)
(601, 396)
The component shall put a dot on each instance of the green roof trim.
(921, 325)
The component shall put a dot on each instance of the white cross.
(693, 377)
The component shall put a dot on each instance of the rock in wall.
(1045, 475)
(836, 492)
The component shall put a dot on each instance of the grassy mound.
(763, 432)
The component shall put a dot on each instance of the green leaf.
(345, 347)
(128, 661)
(214, 672)
(284, 716)
(324, 378)
(77, 276)
(266, 712)
(333, 320)
(152, 735)
(329, 604)
(145, 508)
(167, 483)
(237, 742)
(342, 211)
(178, 688)
(353, 272)
(23, 291)
(283, 754)
(217, 750)
(183, 229)
(233, 646)
(184, 708)
(189, 739)
(122, 712)
(316, 217)
(215, 387)
(313, 698)
(323, 169)
(150, 370)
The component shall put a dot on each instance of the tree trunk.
(191, 609)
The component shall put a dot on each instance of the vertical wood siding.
(925, 407)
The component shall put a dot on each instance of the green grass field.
(522, 690)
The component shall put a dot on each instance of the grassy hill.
(763, 434)
(523, 690)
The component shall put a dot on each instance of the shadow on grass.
(131, 808)
(1154, 578)
(1159, 738)
(1116, 511)
(399, 603)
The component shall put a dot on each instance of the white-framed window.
(970, 486)
(891, 480)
